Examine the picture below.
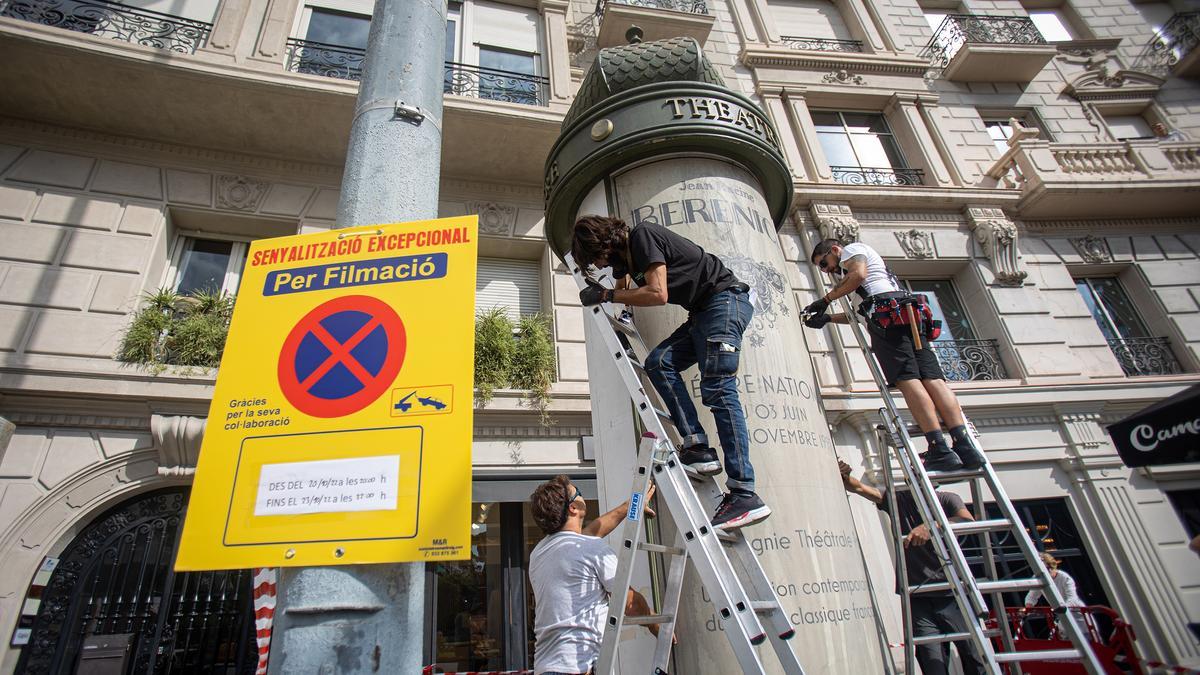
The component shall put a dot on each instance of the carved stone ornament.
(1092, 249)
(177, 439)
(835, 221)
(239, 193)
(843, 76)
(916, 244)
(998, 237)
(494, 219)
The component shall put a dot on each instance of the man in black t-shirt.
(932, 613)
(668, 268)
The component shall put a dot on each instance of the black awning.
(1167, 432)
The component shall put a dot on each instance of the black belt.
(740, 287)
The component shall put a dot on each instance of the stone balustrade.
(1098, 179)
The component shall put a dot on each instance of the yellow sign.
(341, 423)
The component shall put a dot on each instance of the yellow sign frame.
(341, 422)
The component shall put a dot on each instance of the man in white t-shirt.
(572, 572)
(915, 372)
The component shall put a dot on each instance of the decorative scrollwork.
(843, 76)
(495, 85)
(318, 58)
(113, 20)
(689, 6)
(1173, 41)
(821, 44)
(1145, 356)
(861, 175)
(959, 29)
(968, 360)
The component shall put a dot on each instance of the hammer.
(912, 324)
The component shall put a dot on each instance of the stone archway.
(114, 585)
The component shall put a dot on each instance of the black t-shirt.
(921, 562)
(693, 276)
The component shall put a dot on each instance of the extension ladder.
(968, 590)
(744, 604)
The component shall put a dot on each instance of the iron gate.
(116, 579)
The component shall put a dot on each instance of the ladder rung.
(952, 476)
(950, 637)
(764, 606)
(659, 548)
(663, 414)
(1042, 655)
(978, 526)
(1001, 586)
(647, 620)
(725, 537)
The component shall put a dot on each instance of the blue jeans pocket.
(721, 359)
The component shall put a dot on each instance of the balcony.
(821, 44)
(970, 48)
(969, 360)
(888, 176)
(1145, 356)
(1140, 178)
(658, 20)
(462, 79)
(1173, 48)
(114, 21)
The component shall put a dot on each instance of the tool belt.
(886, 310)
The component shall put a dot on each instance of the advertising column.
(681, 151)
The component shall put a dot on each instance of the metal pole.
(370, 618)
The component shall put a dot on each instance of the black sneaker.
(972, 458)
(739, 509)
(701, 459)
(941, 459)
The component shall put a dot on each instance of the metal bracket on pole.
(410, 113)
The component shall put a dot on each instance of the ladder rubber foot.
(788, 634)
(758, 639)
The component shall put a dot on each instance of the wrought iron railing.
(495, 85)
(1173, 41)
(1145, 356)
(113, 20)
(861, 175)
(821, 44)
(688, 6)
(318, 58)
(959, 29)
(967, 360)
(346, 63)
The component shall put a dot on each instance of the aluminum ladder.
(968, 590)
(746, 604)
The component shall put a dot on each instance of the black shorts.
(893, 348)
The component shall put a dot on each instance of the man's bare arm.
(852, 484)
(856, 274)
(650, 294)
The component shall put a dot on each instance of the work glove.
(817, 307)
(818, 321)
(594, 294)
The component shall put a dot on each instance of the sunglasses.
(569, 502)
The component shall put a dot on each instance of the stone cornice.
(875, 197)
(169, 155)
(1136, 226)
(893, 64)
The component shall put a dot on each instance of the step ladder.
(746, 603)
(961, 581)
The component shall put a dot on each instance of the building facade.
(1033, 166)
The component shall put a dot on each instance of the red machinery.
(1035, 629)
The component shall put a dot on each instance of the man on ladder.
(932, 613)
(671, 269)
(573, 572)
(901, 326)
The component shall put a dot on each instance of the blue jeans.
(711, 338)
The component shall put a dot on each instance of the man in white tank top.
(915, 372)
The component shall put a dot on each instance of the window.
(512, 284)
(1118, 319)
(861, 149)
(331, 38)
(962, 355)
(814, 19)
(1052, 24)
(207, 265)
(999, 128)
(337, 28)
(496, 53)
(1128, 127)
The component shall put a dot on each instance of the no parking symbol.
(341, 356)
